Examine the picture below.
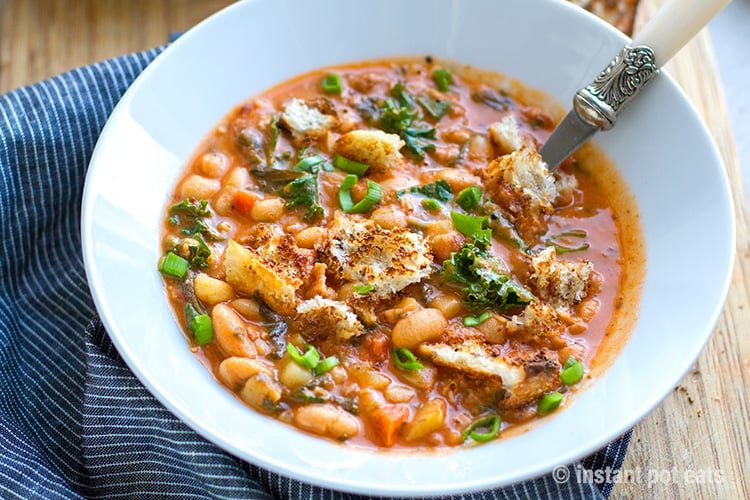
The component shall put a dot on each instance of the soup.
(377, 254)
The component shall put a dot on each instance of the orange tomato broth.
(601, 206)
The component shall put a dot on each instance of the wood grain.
(701, 426)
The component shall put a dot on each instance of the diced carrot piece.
(386, 422)
(244, 202)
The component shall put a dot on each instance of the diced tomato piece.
(244, 202)
(386, 422)
(377, 345)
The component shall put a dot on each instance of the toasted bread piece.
(274, 270)
(320, 317)
(388, 260)
(560, 283)
(375, 148)
(522, 186)
(304, 120)
(506, 135)
(520, 376)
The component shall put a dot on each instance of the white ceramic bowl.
(661, 146)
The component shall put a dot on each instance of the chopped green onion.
(199, 324)
(443, 79)
(404, 359)
(468, 225)
(307, 360)
(326, 365)
(469, 198)
(431, 205)
(374, 193)
(549, 402)
(363, 289)
(173, 265)
(561, 247)
(572, 372)
(477, 320)
(492, 425)
(331, 84)
(307, 163)
(350, 166)
(575, 233)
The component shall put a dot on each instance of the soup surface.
(377, 254)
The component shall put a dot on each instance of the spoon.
(596, 106)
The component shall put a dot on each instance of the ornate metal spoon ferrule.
(629, 72)
(596, 106)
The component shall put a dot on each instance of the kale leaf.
(436, 108)
(303, 192)
(399, 117)
(186, 207)
(199, 252)
(486, 282)
(439, 190)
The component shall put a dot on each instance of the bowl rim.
(342, 484)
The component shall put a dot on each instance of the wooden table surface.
(701, 426)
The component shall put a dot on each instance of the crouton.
(520, 376)
(274, 270)
(506, 135)
(362, 252)
(542, 375)
(319, 317)
(560, 283)
(475, 359)
(372, 147)
(303, 120)
(523, 187)
(540, 325)
(566, 185)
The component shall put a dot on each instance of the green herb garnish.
(303, 192)
(198, 208)
(561, 242)
(404, 359)
(309, 359)
(443, 79)
(572, 372)
(199, 324)
(486, 283)
(469, 198)
(439, 190)
(549, 402)
(490, 424)
(372, 197)
(469, 225)
(350, 166)
(477, 320)
(436, 108)
(173, 265)
(331, 84)
(326, 365)
(363, 289)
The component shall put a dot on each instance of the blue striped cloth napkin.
(74, 421)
